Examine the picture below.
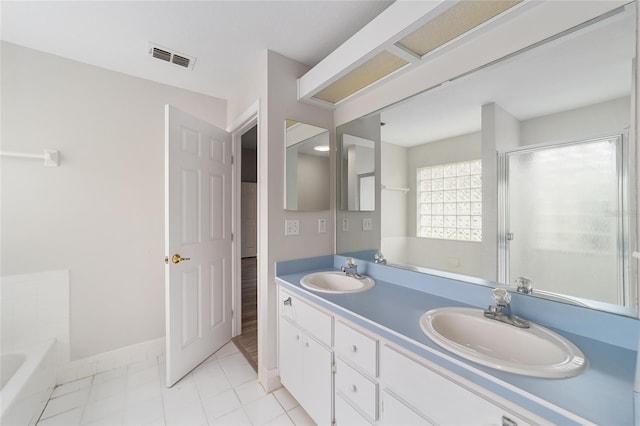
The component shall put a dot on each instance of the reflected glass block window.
(449, 201)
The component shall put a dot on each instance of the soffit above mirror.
(402, 38)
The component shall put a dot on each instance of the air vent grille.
(173, 57)
(180, 60)
(161, 54)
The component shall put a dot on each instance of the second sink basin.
(534, 351)
(336, 282)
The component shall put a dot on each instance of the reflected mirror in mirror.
(307, 170)
(521, 168)
(358, 178)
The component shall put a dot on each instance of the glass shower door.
(563, 219)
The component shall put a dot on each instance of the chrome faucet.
(501, 311)
(379, 258)
(351, 269)
(524, 285)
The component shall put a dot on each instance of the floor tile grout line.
(81, 406)
(156, 364)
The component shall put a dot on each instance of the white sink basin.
(534, 351)
(336, 282)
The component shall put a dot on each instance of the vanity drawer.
(346, 415)
(356, 388)
(313, 321)
(358, 349)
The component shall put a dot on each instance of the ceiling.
(226, 37)
(587, 66)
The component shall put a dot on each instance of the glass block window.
(450, 201)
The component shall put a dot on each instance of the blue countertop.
(602, 394)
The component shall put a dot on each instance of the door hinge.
(232, 236)
(232, 159)
(334, 370)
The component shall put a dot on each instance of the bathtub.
(27, 376)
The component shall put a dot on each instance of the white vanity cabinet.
(346, 375)
(305, 359)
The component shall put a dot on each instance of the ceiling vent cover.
(169, 55)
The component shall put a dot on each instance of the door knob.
(177, 258)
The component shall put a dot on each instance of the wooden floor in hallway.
(247, 341)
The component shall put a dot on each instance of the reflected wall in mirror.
(307, 171)
(358, 175)
(525, 167)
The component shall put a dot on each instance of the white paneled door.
(197, 241)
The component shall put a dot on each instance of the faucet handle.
(501, 296)
(524, 285)
(350, 262)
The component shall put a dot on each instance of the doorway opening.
(247, 340)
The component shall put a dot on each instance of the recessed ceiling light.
(321, 148)
(452, 23)
(376, 68)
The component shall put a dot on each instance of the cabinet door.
(394, 413)
(290, 353)
(437, 397)
(317, 378)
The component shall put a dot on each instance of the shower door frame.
(626, 198)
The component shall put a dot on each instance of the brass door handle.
(176, 258)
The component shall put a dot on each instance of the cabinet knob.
(297, 337)
(287, 301)
(354, 348)
(306, 344)
(354, 388)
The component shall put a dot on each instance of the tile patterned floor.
(223, 390)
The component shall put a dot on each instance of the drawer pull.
(354, 388)
(287, 301)
(354, 348)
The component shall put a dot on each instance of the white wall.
(602, 119)
(101, 213)
(393, 203)
(274, 84)
(35, 307)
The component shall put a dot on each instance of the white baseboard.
(106, 361)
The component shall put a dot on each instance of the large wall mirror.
(307, 169)
(525, 167)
